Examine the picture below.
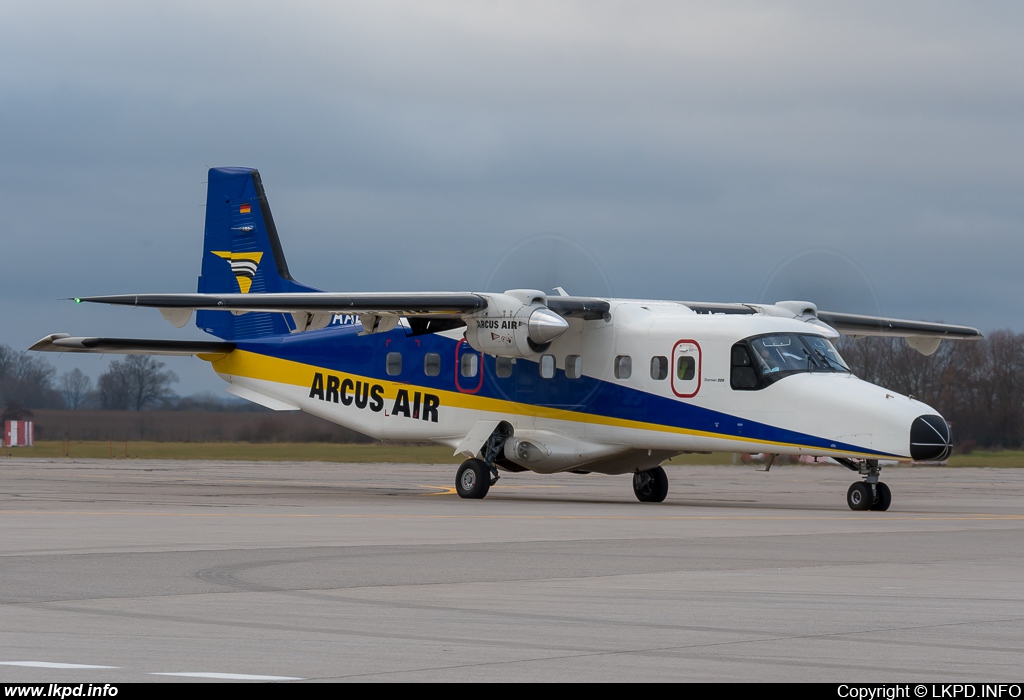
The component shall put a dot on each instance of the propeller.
(545, 262)
(828, 278)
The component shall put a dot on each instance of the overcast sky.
(867, 155)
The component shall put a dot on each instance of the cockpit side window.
(743, 376)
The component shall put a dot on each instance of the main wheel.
(859, 497)
(650, 486)
(884, 499)
(473, 479)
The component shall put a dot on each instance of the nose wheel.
(884, 497)
(866, 496)
(650, 486)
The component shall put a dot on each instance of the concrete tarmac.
(133, 571)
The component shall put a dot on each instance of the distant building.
(19, 433)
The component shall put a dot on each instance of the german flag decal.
(244, 209)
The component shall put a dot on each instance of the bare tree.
(977, 385)
(112, 387)
(134, 383)
(26, 380)
(75, 387)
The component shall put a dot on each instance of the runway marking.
(450, 490)
(50, 664)
(877, 518)
(230, 676)
(441, 490)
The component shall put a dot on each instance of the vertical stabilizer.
(242, 253)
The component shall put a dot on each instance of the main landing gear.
(650, 486)
(476, 476)
(473, 479)
(870, 494)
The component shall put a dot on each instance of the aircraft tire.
(884, 499)
(650, 486)
(859, 496)
(473, 479)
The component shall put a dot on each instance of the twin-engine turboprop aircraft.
(525, 381)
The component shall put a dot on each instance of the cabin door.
(686, 369)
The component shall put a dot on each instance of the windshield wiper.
(830, 364)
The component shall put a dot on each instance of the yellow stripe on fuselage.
(243, 363)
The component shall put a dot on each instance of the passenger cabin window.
(503, 367)
(686, 367)
(547, 366)
(394, 364)
(659, 367)
(623, 367)
(573, 366)
(469, 365)
(432, 364)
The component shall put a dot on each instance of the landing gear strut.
(870, 494)
(650, 486)
(476, 476)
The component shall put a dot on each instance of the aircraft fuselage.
(656, 377)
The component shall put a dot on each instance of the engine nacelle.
(547, 453)
(517, 323)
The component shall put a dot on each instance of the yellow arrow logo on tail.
(243, 265)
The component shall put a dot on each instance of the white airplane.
(525, 381)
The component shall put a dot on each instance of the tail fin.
(242, 253)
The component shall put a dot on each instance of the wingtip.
(45, 344)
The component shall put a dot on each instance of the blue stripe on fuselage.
(343, 350)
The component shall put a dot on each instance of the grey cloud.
(690, 148)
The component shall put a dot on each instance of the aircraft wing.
(436, 304)
(846, 324)
(923, 336)
(62, 342)
(451, 304)
(456, 305)
(858, 325)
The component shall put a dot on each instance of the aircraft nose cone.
(930, 440)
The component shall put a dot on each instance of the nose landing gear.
(650, 486)
(865, 496)
(870, 494)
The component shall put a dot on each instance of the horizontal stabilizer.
(62, 342)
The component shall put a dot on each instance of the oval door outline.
(458, 368)
(697, 370)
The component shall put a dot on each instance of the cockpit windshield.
(772, 357)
